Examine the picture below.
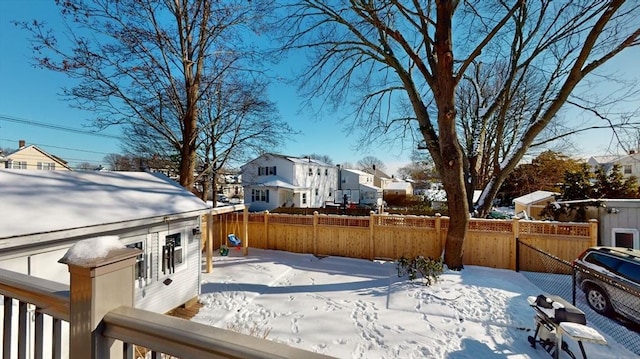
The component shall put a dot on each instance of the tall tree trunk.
(452, 170)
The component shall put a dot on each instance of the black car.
(610, 279)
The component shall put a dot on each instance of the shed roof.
(36, 202)
(534, 197)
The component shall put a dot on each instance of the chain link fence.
(559, 279)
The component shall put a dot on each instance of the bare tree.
(145, 61)
(387, 53)
(118, 162)
(238, 122)
(371, 162)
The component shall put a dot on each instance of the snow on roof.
(370, 187)
(273, 181)
(398, 186)
(534, 197)
(358, 172)
(33, 202)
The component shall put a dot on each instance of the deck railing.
(102, 323)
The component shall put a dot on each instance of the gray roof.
(36, 202)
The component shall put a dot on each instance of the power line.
(56, 127)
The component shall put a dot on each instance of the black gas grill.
(556, 317)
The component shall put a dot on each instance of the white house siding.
(624, 218)
(297, 182)
(152, 294)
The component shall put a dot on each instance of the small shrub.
(255, 330)
(428, 268)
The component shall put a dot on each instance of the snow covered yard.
(350, 308)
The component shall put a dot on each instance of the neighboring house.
(380, 179)
(230, 185)
(358, 186)
(274, 180)
(534, 203)
(44, 213)
(629, 164)
(398, 188)
(33, 158)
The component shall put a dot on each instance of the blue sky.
(30, 94)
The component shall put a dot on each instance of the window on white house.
(259, 195)
(317, 191)
(310, 172)
(326, 171)
(627, 169)
(330, 191)
(172, 253)
(141, 268)
(318, 172)
(267, 171)
(304, 198)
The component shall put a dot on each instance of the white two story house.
(629, 164)
(359, 187)
(274, 180)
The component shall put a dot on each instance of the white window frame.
(633, 231)
(180, 252)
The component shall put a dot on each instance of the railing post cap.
(593, 220)
(438, 215)
(113, 256)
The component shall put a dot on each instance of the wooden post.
(245, 231)
(593, 231)
(372, 249)
(439, 232)
(266, 229)
(512, 249)
(98, 286)
(209, 243)
(315, 233)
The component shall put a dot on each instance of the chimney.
(21, 144)
(374, 168)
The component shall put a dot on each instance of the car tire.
(598, 300)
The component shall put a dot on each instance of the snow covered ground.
(351, 308)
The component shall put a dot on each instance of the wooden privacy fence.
(489, 242)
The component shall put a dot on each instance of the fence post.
(245, 230)
(593, 231)
(209, 242)
(517, 254)
(98, 286)
(372, 248)
(513, 253)
(438, 231)
(266, 229)
(315, 233)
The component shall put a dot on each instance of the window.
(19, 165)
(259, 195)
(627, 169)
(625, 237)
(326, 171)
(267, 171)
(141, 262)
(318, 172)
(172, 254)
(47, 166)
(304, 198)
(310, 172)
(317, 192)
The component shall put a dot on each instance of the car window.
(608, 263)
(630, 271)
